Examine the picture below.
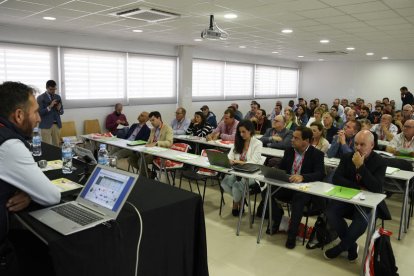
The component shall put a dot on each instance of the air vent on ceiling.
(332, 53)
(146, 14)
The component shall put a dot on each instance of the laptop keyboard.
(76, 214)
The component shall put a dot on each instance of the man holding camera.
(50, 109)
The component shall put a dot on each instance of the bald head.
(143, 117)
(364, 142)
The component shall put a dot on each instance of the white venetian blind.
(152, 77)
(30, 65)
(208, 78)
(266, 81)
(288, 82)
(238, 80)
(93, 74)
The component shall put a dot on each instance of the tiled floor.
(229, 254)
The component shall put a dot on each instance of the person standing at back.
(50, 109)
(406, 96)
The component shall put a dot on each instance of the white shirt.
(399, 142)
(253, 154)
(20, 170)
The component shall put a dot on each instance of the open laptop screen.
(107, 188)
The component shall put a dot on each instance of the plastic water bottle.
(66, 157)
(36, 142)
(103, 155)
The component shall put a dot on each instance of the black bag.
(322, 233)
(384, 260)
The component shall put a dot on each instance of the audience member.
(318, 137)
(260, 122)
(398, 120)
(407, 112)
(210, 116)
(338, 121)
(406, 96)
(343, 142)
(237, 113)
(199, 126)
(363, 169)
(290, 119)
(276, 111)
(301, 116)
(278, 136)
(317, 116)
(385, 129)
(351, 115)
(330, 129)
(50, 109)
(115, 120)
(246, 149)
(226, 130)
(254, 106)
(180, 124)
(402, 144)
(366, 125)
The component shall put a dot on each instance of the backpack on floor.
(380, 259)
(322, 233)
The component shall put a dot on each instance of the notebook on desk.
(100, 200)
(217, 158)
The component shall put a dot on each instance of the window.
(219, 80)
(238, 80)
(152, 77)
(93, 75)
(30, 65)
(208, 78)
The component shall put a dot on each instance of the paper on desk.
(65, 184)
(343, 192)
(391, 170)
(186, 156)
(53, 165)
(155, 149)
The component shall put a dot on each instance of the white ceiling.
(385, 28)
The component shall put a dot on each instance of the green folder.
(136, 143)
(343, 192)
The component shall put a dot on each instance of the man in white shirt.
(402, 144)
(385, 129)
(21, 180)
(180, 123)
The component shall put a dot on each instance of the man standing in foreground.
(50, 109)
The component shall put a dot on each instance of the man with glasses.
(343, 142)
(180, 123)
(407, 112)
(210, 116)
(402, 144)
(385, 130)
(278, 136)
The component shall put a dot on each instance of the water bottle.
(103, 155)
(66, 157)
(36, 142)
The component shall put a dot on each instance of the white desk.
(319, 189)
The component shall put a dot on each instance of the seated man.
(402, 144)
(237, 113)
(254, 106)
(344, 141)
(260, 122)
(21, 180)
(305, 164)
(116, 119)
(363, 169)
(385, 129)
(161, 136)
(278, 136)
(180, 123)
(226, 130)
(210, 116)
(138, 131)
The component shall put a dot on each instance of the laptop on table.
(274, 173)
(85, 154)
(221, 159)
(100, 200)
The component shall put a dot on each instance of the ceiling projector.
(214, 32)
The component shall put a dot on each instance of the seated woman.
(317, 116)
(290, 120)
(330, 130)
(199, 126)
(301, 115)
(246, 149)
(318, 138)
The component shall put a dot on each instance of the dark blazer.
(48, 117)
(313, 168)
(372, 177)
(143, 134)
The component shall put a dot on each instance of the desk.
(319, 189)
(173, 241)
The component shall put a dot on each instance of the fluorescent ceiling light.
(287, 31)
(369, 54)
(350, 48)
(137, 31)
(301, 56)
(198, 39)
(230, 16)
(49, 18)
(384, 58)
(242, 47)
(324, 41)
(321, 59)
(275, 52)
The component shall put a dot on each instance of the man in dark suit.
(363, 169)
(304, 163)
(50, 109)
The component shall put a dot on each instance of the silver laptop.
(85, 154)
(100, 200)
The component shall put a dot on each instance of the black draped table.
(173, 238)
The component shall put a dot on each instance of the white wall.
(368, 80)
(53, 38)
